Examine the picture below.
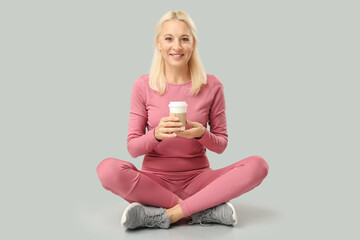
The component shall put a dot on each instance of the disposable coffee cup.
(178, 109)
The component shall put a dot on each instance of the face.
(175, 43)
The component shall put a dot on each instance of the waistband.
(174, 164)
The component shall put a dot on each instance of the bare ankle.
(175, 213)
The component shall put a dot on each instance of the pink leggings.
(199, 189)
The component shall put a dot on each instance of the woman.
(176, 180)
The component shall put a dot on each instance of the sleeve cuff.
(153, 140)
(205, 137)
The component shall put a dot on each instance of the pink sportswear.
(176, 154)
(178, 167)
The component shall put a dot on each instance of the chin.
(178, 65)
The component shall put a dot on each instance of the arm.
(139, 142)
(216, 139)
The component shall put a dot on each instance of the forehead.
(175, 27)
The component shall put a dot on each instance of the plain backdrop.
(290, 71)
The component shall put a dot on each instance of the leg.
(212, 188)
(175, 213)
(125, 180)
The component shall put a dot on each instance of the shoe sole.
(234, 212)
(123, 218)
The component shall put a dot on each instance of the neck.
(177, 75)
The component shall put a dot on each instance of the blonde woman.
(176, 180)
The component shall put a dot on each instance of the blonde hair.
(157, 79)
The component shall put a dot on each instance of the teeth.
(176, 55)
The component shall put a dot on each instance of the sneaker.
(137, 215)
(222, 214)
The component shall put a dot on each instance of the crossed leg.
(214, 187)
(125, 180)
(208, 189)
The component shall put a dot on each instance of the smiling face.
(175, 43)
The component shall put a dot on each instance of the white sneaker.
(137, 215)
(223, 214)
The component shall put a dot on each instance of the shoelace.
(206, 216)
(156, 220)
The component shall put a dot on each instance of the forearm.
(214, 142)
(140, 145)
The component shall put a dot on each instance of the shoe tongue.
(152, 211)
(156, 216)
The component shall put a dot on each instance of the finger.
(183, 133)
(172, 124)
(191, 124)
(174, 130)
(186, 135)
(168, 135)
(169, 130)
(170, 119)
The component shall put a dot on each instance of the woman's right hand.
(167, 128)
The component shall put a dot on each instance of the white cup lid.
(178, 104)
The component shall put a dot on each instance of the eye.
(167, 38)
(186, 39)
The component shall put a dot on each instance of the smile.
(177, 55)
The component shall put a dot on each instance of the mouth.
(176, 56)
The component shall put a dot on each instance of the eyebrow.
(181, 35)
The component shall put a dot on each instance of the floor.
(254, 221)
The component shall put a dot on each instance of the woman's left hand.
(197, 130)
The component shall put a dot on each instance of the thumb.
(191, 124)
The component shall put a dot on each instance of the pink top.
(178, 153)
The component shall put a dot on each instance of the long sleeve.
(139, 142)
(217, 138)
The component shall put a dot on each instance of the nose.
(176, 44)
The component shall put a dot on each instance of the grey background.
(290, 71)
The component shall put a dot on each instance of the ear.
(194, 42)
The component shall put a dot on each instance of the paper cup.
(178, 109)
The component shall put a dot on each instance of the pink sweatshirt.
(178, 153)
